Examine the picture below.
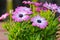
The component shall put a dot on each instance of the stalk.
(9, 9)
(34, 6)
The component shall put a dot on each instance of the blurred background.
(3, 4)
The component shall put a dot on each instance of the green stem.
(34, 0)
(9, 8)
(34, 7)
(30, 5)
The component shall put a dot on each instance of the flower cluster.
(33, 3)
(23, 14)
(44, 6)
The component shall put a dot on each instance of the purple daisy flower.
(38, 9)
(26, 9)
(27, 2)
(20, 16)
(44, 8)
(54, 6)
(58, 10)
(47, 5)
(37, 4)
(39, 22)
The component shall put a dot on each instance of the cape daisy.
(39, 22)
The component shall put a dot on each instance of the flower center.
(39, 21)
(21, 15)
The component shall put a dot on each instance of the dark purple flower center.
(21, 15)
(39, 21)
